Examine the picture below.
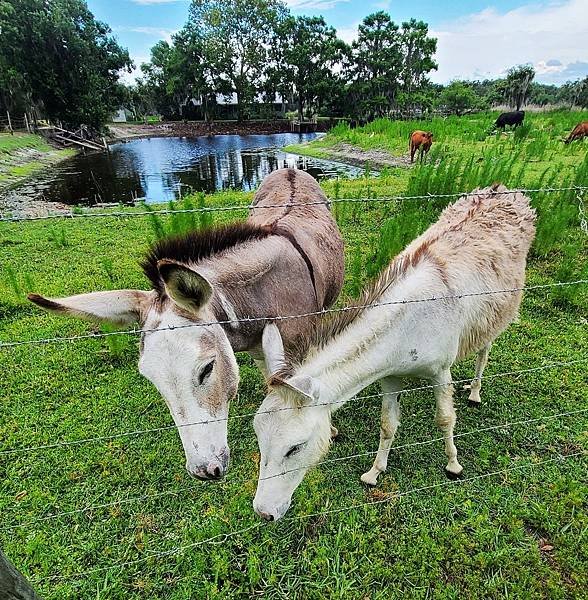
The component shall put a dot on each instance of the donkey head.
(293, 431)
(188, 360)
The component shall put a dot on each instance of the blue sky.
(477, 38)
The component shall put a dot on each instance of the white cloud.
(131, 78)
(348, 34)
(551, 36)
(158, 32)
(312, 4)
(156, 1)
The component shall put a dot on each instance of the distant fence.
(10, 123)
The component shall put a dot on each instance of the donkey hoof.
(474, 403)
(369, 479)
(453, 476)
(334, 432)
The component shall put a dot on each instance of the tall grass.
(511, 162)
(181, 222)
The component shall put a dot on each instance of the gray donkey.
(283, 260)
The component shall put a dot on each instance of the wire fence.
(241, 207)
(273, 318)
(136, 432)
(186, 490)
(223, 537)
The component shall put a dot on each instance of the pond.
(161, 169)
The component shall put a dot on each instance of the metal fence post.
(13, 585)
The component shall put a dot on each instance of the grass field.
(518, 534)
(23, 154)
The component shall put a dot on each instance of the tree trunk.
(13, 585)
(239, 107)
(300, 108)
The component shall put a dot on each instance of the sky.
(477, 39)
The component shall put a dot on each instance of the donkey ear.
(120, 307)
(273, 348)
(185, 286)
(305, 386)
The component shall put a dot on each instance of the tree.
(310, 50)
(376, 64)
(240, 31)
(196, 70)
(156, 80)
(418, 50)
(582, 97)
(518, 81)
(58, 57)
(458, 98)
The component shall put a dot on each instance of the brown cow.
(578, 132)
(420, 141)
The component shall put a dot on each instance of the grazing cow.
(579, 131)
(514, 119)
(420, 141)
(285, 259)
(479, 244)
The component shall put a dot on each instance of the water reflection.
(155, 169)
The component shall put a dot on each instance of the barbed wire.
(238, 207)
(222, 537)
(136, 432)
(135, 331)
(432, 441)
(186, 490)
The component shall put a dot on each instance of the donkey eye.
(205, 372)
(295, 449)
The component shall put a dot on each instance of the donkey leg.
(481, 362)
(391, 388)
(445, 419)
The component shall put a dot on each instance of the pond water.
(160, 169)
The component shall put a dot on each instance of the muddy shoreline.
(127, 131)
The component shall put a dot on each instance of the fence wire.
(239, 207)
(222, 537)
(136, 432)
(135, 331)
(187, 490)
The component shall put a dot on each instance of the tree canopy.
(255, 49)
(56, 57)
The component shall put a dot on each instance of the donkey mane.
(195, 246)
(329, 326)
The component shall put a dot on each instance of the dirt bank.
(126, 131)
(123, 131)
(361, 158)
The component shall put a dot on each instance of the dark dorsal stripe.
(277, 230)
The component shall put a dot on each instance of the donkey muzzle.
(213, 469)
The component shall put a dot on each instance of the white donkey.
(480, 243)
(287, 258)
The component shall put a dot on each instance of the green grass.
(482, 539)
(18, 141)
(16, 165)
(538, 144)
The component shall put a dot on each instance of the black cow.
(514, 119)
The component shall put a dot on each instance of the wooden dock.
(70, 138)
(303, 126)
